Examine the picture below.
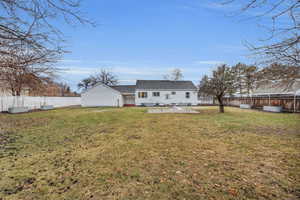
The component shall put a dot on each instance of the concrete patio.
(172, 110)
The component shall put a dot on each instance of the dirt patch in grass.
(134, 137)
(7, 140)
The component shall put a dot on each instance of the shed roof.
(165, 85)
(124, 88)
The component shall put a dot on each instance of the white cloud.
(208, 62)
(187, 7)
(233, 49)
(93, 62)
(207, 4)
(70, 61)
(118, 70)
(137, 72)
(236, 8)
(222, 6)
(214, 5)
(78, 70)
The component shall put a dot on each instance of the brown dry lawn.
(128, 154)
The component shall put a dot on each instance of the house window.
(156, 94)
(167, 96)
(142, 94)
(173, 93)
(187, 95)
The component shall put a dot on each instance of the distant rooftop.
(278, 88)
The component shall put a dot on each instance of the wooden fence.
(289, 103)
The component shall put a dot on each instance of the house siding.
(178, 98)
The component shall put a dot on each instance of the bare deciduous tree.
(29, 41)
(287, 75)
(202, 92)
(25, 68)
(238, 71)
(250, 78)
(85, 83)
(104, 76)
(175, 75)
(31, 22)
(245, 78)
(283, 43)
(219, 84)
(65, 89)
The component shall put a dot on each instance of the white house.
(165, 92)
(144, 93)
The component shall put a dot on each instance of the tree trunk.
(221, 105)
(221, 108)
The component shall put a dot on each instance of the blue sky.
(142, 39)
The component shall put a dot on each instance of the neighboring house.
(144, 93)
(278, 88)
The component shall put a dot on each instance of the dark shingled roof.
(124, 88)
(165, 85)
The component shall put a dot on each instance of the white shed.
(101, 95)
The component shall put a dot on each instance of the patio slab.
(172, 110)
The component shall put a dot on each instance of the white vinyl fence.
(206, 100)
(36, 102)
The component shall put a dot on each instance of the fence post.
(294, 103)
(2, 104)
